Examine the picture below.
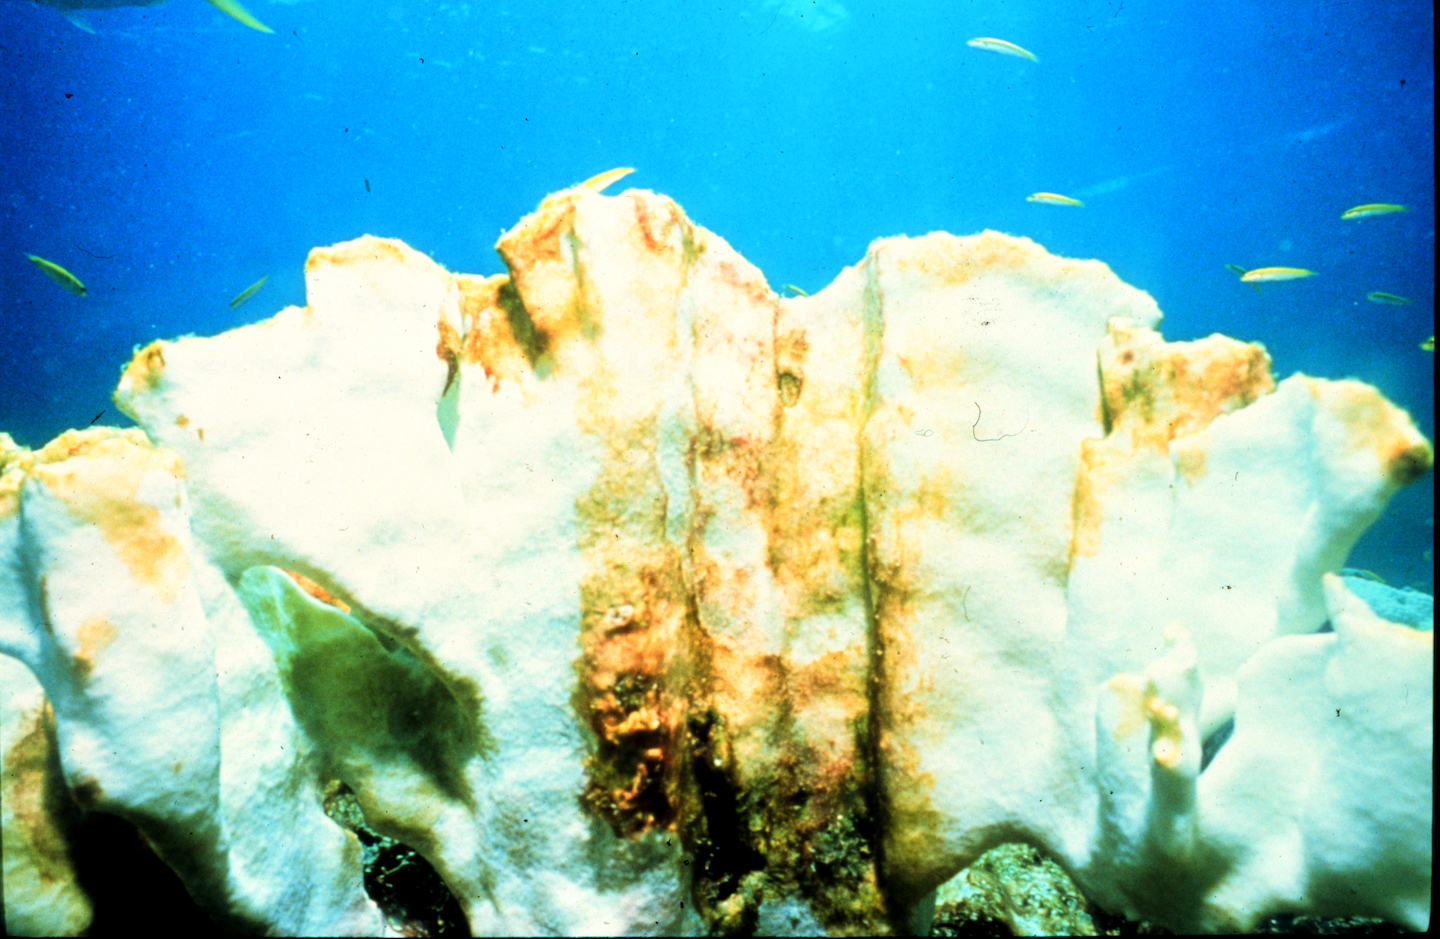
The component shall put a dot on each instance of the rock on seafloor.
(635, 598)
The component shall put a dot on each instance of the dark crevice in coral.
(1212, 744)
(869, 732)
(130, 887)
(408, 890)
(532, 340)
(722, 855)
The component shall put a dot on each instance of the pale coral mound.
(638, 599)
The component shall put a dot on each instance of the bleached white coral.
(637, 599)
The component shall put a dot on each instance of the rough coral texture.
(638, 599)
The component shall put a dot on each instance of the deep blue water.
(175, 156)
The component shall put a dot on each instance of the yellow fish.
(58, 274)
(1372, 209)
(1275, 273)
(1429, 344)
(599, 181)
(1380, 296)
(1052, 198)
(796, 290)
(1002, 47)
(248, 292)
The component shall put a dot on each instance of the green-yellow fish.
(1380, 296)
(1429, 344)
(248, 292)
(795, 290)
(1052, 198)
(58, 274)
(1372, 209)
(599, 181)
(1261, 274)
(1002, 47)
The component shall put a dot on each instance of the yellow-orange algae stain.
(624, 699)
(1191, 465)
(1129, 691)
(183, 421)
(447, 348)
(95, 634)
(653, 224)
(934, 365)
(99, 481)
(949, 259)
(490, 341)
(40, 807)
(317, 591)
(1379, 426)
(748, 283)
(1085, 505)
(146, 369)
(1156, 391)
(352, 253)
(538, 235)
(546, 274)
(829, 695)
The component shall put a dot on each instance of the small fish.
(1261, 274)
(795, 290)
(1372, 209)
(1429, 344)
(1052, 198)
(1380, 296)
(1361, 572)
(599, 181)
(248, 292)
(58, 274)
(1002, 47)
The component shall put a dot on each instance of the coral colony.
(635, 598)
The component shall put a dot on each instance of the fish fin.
(234, 9)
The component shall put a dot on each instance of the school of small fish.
(599, 182)
(1256, 276)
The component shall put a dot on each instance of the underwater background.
(174, 156)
